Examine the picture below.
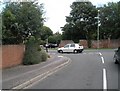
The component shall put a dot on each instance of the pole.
(98, 46)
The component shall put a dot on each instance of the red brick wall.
(114, 43)
(102, 43)
(12, 55)
(83, 43)
(64, 42)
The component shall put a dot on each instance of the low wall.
(83, 43)
(102, 43)
(64, 42)
(12, 55)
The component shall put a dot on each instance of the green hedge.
(33, 53)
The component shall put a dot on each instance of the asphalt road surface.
(92, 69)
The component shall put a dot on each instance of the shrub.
(33, 53)
(43, 55)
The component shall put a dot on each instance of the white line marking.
(102, 60)
(104, 80)
(60, 56)
(41, 77)
(100, 54)
(50, 73)
(30, 71)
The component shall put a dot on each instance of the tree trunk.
(89, 43)
(89, 39)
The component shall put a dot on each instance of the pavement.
(21, 76)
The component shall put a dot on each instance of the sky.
(56, 10)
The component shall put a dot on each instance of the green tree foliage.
(0, 29)
(46, 32)
(81, 23)
(20, 21)
(23, 22)
(55, 38)
(110, 21)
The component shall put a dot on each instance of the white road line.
(104, 80)
(60, 56)
(102, 60)
(100, 54)
(39, 78)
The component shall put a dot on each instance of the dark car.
(50, 45)
(117, 56)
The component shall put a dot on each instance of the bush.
(33, 53)
(43, 55)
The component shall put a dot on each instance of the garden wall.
(102, 43)
(12, 55)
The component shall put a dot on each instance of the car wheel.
(75, 51)
(80, 51)
(115, 60)
(60, 51)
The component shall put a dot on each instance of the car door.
(71, 48)
(66, 48)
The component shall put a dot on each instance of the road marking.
(100, 54)
(39, 78)
(30, 71)
(60, 56)
(50, 73)
(104, 80)
(104, 74)
(102, 60)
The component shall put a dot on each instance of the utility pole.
(98, 39)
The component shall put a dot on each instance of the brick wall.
(102, 43)
(64, 42)
(12, 55)
(83, 43)
(114, 43)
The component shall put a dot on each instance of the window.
(66, 46)
(72, 45)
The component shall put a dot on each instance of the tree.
(46, 32)
(55, 38)
(0, 29)
(81, 23)
(23, 22)
(20, 21)
(109, 17)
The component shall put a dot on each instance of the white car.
(71, 48)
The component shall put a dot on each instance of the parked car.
(50, 45)
(71, 48)
(117, 56)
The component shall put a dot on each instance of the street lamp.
(98, 44)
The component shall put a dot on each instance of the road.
(91, 69)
